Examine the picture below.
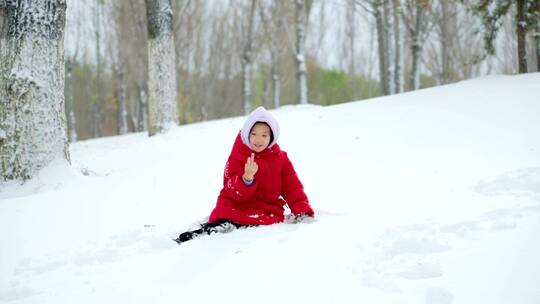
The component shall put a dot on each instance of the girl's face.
(259, 137)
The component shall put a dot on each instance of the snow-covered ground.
(426, 197)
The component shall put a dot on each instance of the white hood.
(260, 115)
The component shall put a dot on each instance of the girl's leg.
(222, 226)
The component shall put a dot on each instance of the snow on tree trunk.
(301, 74)
(521, 31)
(32, 114)
(162, 107)
(247, 62)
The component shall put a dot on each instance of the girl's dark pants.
(221, 226)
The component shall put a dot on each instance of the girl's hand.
(250, 168)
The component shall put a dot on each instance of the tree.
(32, 114)
(378, 8)
(448, 55)
(398, 64)
(273, 27)
(491, 12)
(537, 40)
(416, 22)
(247, 60)
(162, 106)
(302, 9)
(119, 65)
(99, 100)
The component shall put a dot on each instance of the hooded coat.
(276, 182)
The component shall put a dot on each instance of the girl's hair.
(271, 132)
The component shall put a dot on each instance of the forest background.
(354, 49)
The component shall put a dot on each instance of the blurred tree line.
(232, 52)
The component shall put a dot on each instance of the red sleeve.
(293, 190)
(233, 183)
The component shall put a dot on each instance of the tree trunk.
(162, 106)
(398, 67)
(142, 113)
(382, 49)
(276, 88)
(121, 88)
(351, 35)
(416, 48)
(537, 41)
(99, 101)
(120, 61)
(247, 62)
(521, 31)
(389, 52)
(301, 74)
(445, 40)
(70, 96)
(32, 113)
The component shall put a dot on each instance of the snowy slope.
(426, 197)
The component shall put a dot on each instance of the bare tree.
(119, 65)
(376, 9)
(521, 31)
(99, 101)
(32, 115)
(416, 22)
(398, 61)
(536, 36)
(302, 8)
(247, 60)
(274, 28)
(351, 36)
(161, 67)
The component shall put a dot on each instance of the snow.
(429, 197)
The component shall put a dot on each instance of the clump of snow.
(424, 197)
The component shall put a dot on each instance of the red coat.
(261, 203)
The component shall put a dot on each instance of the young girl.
(259, 180)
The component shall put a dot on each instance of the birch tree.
(247, 60)
(536, 36)
(376, 9)
(398, 61)
(32, 114)
(162, 106)
(302, 8)
(416, 22)
(100, 94)
(274, 29)
(351, 37)
(119, 66)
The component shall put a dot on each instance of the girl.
(259, 180)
